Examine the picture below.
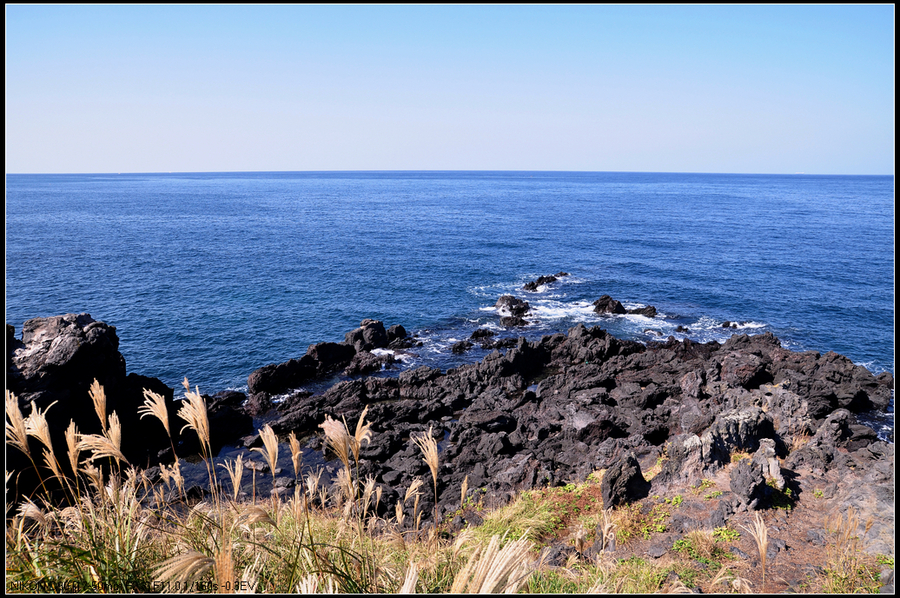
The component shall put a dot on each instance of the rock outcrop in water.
(542, 280)
(608, 305)
(353, 356)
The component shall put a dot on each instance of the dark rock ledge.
(543, 412)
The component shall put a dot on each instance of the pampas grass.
(761, 535)
(409, 580)
(102, 446)
(155, 405)
(362, 434)
(428, 446)
(98, 397)
(16, 434)
(36, 424)
(235, 471)
(296, 454)
(270, 443)
(184, 568)
(73, 451)
(193, 411)
(606, 529)
(337, 439)
(495, 570)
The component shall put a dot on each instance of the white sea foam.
(548, 309)
(398, 355)
(751, 325)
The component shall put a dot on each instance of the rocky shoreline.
(530, 414)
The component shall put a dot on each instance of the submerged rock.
(542, 280)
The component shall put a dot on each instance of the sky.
(741, 89)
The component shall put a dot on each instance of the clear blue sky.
(766, 89)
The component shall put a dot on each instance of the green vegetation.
(725, 534)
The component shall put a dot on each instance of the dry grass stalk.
(254, 514)
(579, 537)
(737, 583)
(95, 477)
(495, 571)
(225, 565)
(677, 587)
(761, 535)
(312, 483)
(337, 438)
(398, 509)
(235, 471)
(463, 491)
(155, 405)
(703, 542)
(29, 510)
(36, 424)
(362, 434)
(270, 442)
(606, 529)
(428, 446)
(248, 577)
(98, 397)
(16, 435)
(368, 490)
(844, 555)
(184, 568)
(100, 447)
(114, 431)
(344, 482)
(410, 580)
(310, 585)
(193, 411)
(72, 445)
(599, 587)
(413, 490)
(52, 464)
(296, 454)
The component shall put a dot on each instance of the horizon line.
(436, 171)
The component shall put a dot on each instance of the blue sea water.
(212, 275)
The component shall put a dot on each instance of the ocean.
(212, 275)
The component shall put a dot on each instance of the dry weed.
(760, 534)
(428, 446)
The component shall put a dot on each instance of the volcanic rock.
(52, 369)
(542, 280)
(512, 305)
(608, 305)
(624, 482)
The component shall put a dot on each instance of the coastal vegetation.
(98, 524)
